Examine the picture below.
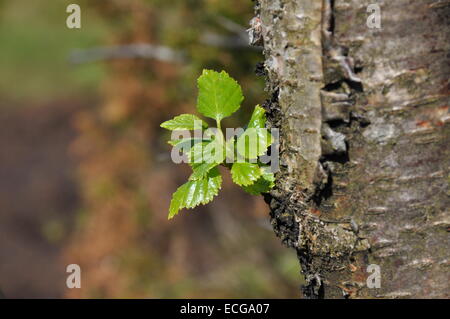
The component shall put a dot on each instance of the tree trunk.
(364, 142)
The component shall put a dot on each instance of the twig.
(127, 51)
(162, 53)
(233, 27)
(228, 42)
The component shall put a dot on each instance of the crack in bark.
(321, 245)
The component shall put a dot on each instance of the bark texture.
(364, 142)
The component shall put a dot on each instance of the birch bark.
(364, 142)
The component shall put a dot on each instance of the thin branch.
(227, 42)
(162, 53)
(127, 51)
(233, 27)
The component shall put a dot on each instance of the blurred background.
(85, 171)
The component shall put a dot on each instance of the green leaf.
(184, 122)
(263, 185)
(258, 119)
(254, 142)
(196, 192)
(219, 95)
(209, 152)
(185, 144)
(178, 199)
(200, 170)
(245, 174)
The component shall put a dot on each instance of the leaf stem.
(218, 124)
